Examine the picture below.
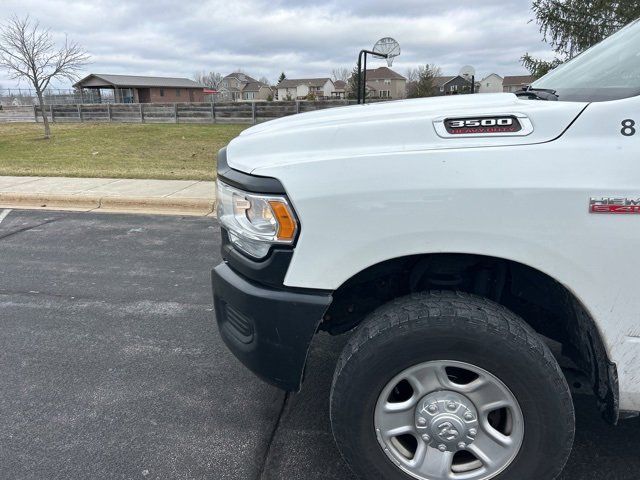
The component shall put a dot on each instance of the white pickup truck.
(455, 240)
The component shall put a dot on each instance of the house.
(385, 83)
(371, 91)
(451, 85)
(138, 89)
(339, 89)
(301, 88)
(492, 83)
(238, 86)
(518, 82)
(256, 91)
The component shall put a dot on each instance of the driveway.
(112, 366)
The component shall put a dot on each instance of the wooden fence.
(17, 114)
(250, 113)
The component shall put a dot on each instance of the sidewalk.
(182, 197)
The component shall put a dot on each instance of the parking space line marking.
(4, 214)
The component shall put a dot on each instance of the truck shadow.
(602, 450)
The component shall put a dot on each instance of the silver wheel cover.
(449, 420)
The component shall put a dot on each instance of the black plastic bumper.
(269, 330)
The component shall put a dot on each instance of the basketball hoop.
(387, 48)
(469, 74)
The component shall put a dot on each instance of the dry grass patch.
(164, 151)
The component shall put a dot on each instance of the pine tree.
(572, 26)
(282, 77)
(352, 84)
(422, 81)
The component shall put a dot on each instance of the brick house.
(139, 89)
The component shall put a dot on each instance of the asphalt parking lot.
(112, 366)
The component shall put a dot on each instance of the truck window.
(609, 70)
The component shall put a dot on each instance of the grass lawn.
(166, 151)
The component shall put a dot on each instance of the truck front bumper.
(269, 330)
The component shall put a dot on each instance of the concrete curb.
(183, 206)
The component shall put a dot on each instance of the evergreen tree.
(421, 81)
(352, 84)
(282, 77)
(572, 26)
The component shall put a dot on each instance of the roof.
(442, 81)
(294, 82)
(340, 84)
(518, 80)
(254, 86)
(243, 77)
(101, 79)
(383, 73)
(491, 74)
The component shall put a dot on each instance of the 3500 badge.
(484, 125)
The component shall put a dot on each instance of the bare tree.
(28, 52)
(412, 75)
(340, 73)
(264, 80)
(209, 80)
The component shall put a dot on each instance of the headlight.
(255, 222)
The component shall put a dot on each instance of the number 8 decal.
(628, 128)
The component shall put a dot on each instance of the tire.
(432, 329)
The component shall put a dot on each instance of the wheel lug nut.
(442, 447)
(426, 438)
(422, 421)
(432, 409)
(468, 416)
(451, 405)
(462, 445)
(473, 432)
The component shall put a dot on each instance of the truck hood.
(385, 127)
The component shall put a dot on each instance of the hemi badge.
(614, 205)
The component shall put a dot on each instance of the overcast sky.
(301, 38)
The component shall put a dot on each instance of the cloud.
(302, 38)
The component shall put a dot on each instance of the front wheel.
(446, 386)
